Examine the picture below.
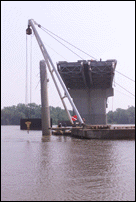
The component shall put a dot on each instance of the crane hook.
(29, 30)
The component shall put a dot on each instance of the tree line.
(12, 115)
(122, 116)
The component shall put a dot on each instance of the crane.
(52, 70)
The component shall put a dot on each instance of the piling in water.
(45, 113)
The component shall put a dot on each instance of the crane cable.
(26, 93)
(28, 110)
(64, 45)
(30, 75)
(26, 90)
(124, 89)
(82, 58)
(125, 75)
(47, 31)
(124, 94)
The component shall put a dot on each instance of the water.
(65, 169)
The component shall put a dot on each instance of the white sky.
(103, 29)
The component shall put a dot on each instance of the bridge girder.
(87, 74)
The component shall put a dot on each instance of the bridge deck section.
(87, 74)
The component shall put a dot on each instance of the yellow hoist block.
(28, 123)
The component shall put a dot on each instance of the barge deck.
(97, 132)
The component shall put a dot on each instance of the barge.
(97, 132)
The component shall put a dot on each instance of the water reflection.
(61, 168)
(46, 138)
(88, 166)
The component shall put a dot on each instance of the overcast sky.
(103, 29)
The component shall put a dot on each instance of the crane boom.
(48, 61)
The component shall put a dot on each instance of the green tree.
(12, 115)
(122, 116)
(110, 118)
(131, 115)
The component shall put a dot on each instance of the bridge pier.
(89, 84)
(91, 104)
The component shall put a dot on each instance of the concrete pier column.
(45, 113)
(91, 104)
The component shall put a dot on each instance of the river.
(59, 168)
